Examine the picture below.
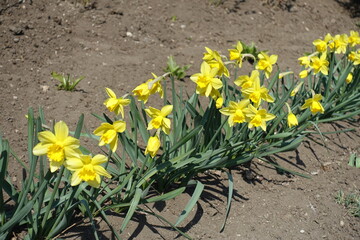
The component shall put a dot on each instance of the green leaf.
(132, 208)
(190, 205)
(230, 195)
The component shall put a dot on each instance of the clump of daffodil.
(244, 81)
(235, 111)
(236, 54)
(57, 146)
(88, 169)
(257, 117)
(314, 104)
(151, 86)
(206, 80)
(153, 146)
(354, 39)
(115, 104)
(159, 119)
(213, 58)
(109, 133)
(354, 57)
(339, 43)
(256, 93)
(266, 63)
(291, 118)
(320, 64)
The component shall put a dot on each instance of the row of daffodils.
(251, 107)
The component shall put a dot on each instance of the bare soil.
(118, 43)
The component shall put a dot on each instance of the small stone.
(302, 231)
(16, 40)
(183, 26)
(44, 88)
(15, 97)
(342, 223)
(14, 179)
(129, 34)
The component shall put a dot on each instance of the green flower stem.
(68, 202)
(56, 187)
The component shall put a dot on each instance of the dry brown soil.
(119, 43)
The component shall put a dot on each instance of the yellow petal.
(40, 149)
(119, 126)
(103, 128)
(113, 144)
(73, 164)
(110, 93)
(99, 159)
(61, 130)
(95, 183)
(166, 110)
(54, 165)
(71, 142)
(47, 137)
(75, 179)
(101, 171)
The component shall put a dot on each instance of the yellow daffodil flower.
(354, 57)
(304, 73)
(219, 102)
(256, 92)
(115, 104)
(245, 81)
(235, 111)
(354, 39)
(320, 64)
(296, 89)
(320, 45)
(257, 117)
(291, 118)
(87, 169)
(159, 119)
(151, 86)
(314, 104)
(108, 133)
(206, 81)
(58, 146)
(349, 78)
(339, 43)
(153, 146)
(304, 61)
(214, 60)
(266, 62)
(235, 54)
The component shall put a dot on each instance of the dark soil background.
(118, 43)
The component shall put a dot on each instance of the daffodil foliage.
(152, 142)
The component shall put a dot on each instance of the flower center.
(203, 81)
(239, 116)
(255, 96)
(257, 120)
(108, 136)
(56, 153)
(156, 122)
(87, 173)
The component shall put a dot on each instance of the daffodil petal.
(61, 130)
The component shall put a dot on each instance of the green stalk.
(55, 190)
(65, 208)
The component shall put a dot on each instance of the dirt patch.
(119, 43)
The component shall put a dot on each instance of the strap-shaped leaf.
(190, 205)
